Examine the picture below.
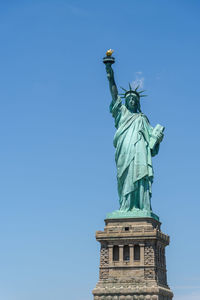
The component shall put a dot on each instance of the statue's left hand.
(160, 137)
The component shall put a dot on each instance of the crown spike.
(142, 91)
(123, 89)
(138, 93)
(137, 87)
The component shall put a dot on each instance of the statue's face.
(132, 102)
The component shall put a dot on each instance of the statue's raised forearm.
(112, 84)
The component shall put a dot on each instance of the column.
(121, 252)
(110, 253)
(141, 253)
(131, 253)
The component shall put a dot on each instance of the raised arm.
(116, 103)
(112, 84)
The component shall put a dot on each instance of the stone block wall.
(104, 261)
(129, 277)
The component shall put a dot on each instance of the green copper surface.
(136, 141)
(134, 213)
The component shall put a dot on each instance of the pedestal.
(132, 261)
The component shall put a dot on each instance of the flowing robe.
(133, 157)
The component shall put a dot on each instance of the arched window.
(126, 252)
(116, 253)
(136, 252)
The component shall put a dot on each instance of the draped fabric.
(133, 157)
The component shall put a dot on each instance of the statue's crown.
(131, 91)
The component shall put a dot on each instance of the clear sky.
(57, 169)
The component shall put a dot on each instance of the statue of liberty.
(136, 141)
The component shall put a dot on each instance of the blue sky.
(57, 174)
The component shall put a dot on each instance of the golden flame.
(109, 52)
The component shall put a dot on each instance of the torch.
(109, 58)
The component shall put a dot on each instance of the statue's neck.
(133, 111)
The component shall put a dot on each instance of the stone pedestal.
(132, 261)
